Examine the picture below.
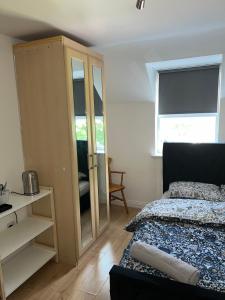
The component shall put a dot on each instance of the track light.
(140, 4)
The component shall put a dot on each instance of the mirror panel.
(81, 139)
(100, 150)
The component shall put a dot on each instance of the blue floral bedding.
(192, 232)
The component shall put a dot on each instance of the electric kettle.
(30, 183)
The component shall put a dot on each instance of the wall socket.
(11, 224)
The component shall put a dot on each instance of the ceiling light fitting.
(140, 4)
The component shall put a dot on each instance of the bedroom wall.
(11, 157)
(130, 105)
(130, 139)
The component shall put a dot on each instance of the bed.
(193, 230)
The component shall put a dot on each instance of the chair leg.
(124, 201)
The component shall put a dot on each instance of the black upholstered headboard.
(193, 162)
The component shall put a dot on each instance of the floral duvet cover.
(191, 230)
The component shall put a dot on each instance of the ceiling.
(104, 22)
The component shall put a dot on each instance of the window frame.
(157, 115)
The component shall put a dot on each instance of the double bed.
(189, 229)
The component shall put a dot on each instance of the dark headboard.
(82, 156)
(193, 162)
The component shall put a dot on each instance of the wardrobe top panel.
(57, 39)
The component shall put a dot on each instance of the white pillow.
(195, 190)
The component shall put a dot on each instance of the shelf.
(23, 265)
(17, 236)
(20, 201)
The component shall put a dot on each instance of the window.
(81, 128)
(186, 110)
(99, 134)
(81, 131)
(186, 128)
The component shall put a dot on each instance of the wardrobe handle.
(92, 167)
(90, 156)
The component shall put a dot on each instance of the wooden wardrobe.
(61, 94)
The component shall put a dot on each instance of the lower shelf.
(23, 265)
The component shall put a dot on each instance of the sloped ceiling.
(127, 77)
(104, 22)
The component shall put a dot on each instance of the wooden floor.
(90, 280)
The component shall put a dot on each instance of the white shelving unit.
(20, 254)
(24, 264)
(20, 201)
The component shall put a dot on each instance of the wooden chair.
(114, 188)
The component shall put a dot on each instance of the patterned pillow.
(196, 190)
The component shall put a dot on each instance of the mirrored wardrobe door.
(99, 143)
(84, 206)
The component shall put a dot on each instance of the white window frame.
(157, 116)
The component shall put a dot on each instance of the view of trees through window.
(99, 132)
(81, 131)
(81, 128)
(186, 128)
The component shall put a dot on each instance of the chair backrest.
(109, 169)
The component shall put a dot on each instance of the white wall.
(130, 137)
(11, 157)
(130, 106)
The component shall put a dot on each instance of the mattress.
(191, 230)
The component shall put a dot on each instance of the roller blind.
(79, 94)
(188, 91)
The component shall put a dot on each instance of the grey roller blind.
(79, 94)
(188, 91)
(79, 97)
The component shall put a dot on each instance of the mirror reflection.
(100, 144)
(81, 138)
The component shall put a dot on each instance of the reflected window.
(100, 138)
(81, 128)
(98, 105)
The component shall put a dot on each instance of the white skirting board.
(133, 204)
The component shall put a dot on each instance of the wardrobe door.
(82, 158)
(97, 95)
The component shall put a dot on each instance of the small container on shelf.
(4, 197)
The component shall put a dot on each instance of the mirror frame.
(99, 64)
(69, 55)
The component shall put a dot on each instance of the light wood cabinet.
(61, 93)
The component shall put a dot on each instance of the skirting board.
(134, 204)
